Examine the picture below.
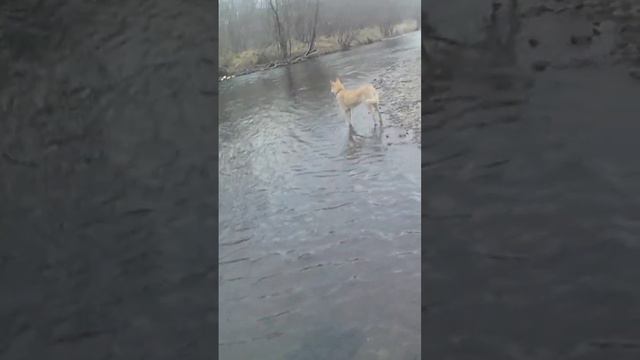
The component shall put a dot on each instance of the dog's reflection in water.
(355, 144)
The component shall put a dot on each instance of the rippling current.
(320, 234)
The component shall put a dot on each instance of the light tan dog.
(349, 99)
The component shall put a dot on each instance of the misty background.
(261, 31)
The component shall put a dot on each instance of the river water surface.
(319, 233)
(532, 198)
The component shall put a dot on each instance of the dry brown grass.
(406, 26)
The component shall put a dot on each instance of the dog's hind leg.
(377, 112)
(371, 110)
(372, 104)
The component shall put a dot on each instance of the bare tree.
(299, 23)
(389, 20)
(344, 37)
(387, 28)
(281, 38)
(235, 40)
(312, 41)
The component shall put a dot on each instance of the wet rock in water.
(540, 65)
(533, 42)
(592, 3)
(580, 39)
(596, 32)
(540, 9)
(630, 51)
(622, 45)
(621, 9)
(618, 13)
(617, 4)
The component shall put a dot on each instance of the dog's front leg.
(347, 114)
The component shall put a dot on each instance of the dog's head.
(336, 86)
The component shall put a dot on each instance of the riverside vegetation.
(262, 34)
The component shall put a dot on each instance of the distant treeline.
(295, 26)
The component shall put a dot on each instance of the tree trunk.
(282, 41)
(312, 42)
(387, 28)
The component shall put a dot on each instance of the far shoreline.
(300, 58)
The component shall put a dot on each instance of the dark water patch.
(274, 316)
(227, 262)
(236, 242)
(329, 343)
(544, 199)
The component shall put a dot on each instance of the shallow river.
(319, 233)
